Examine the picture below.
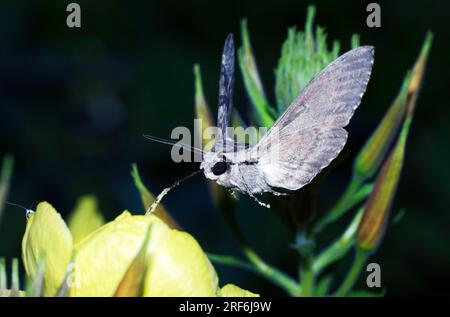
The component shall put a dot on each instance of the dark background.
(75, 102)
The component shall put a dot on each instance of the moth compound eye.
(219, 168)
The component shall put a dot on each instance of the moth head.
(215, 165)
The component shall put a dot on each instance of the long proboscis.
(166, 190)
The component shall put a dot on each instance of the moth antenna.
(172, 142)
(166, 190)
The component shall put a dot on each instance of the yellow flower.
(48, 238)
(85, 218)
(231, 290)
(169, 263)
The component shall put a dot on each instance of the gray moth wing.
(310, 133)
(225, 91)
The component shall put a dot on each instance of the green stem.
(340, 247)
(269, 272)
(354, 194)
(307, 276)
(15, 278)
(352, 276)
(231, 261)
(3, 285)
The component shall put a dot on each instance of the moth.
(302, 141)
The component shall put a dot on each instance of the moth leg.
(248, 191)
(278, 193)
(233, 193)
(257, 200)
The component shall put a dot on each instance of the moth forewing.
(225, 89)
(310, 133)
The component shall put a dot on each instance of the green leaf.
(202, 110)
(323, 286)
(418, 73)
(340, 247)
(5, 179)
(14, 291)
(376, 213)
(374, 222)
(355, 41)
(374, 151)
(355, 194)
(15, 287)
(265, 113)
(230, 261)
(359, 261)
(248, 59)
(147, 199)
(259, 267)
(3, 280)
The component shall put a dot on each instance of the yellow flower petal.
(47, 237)
(85, 218)
(132, 283)
(179, 267)
(231, 290)
(103, 258)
